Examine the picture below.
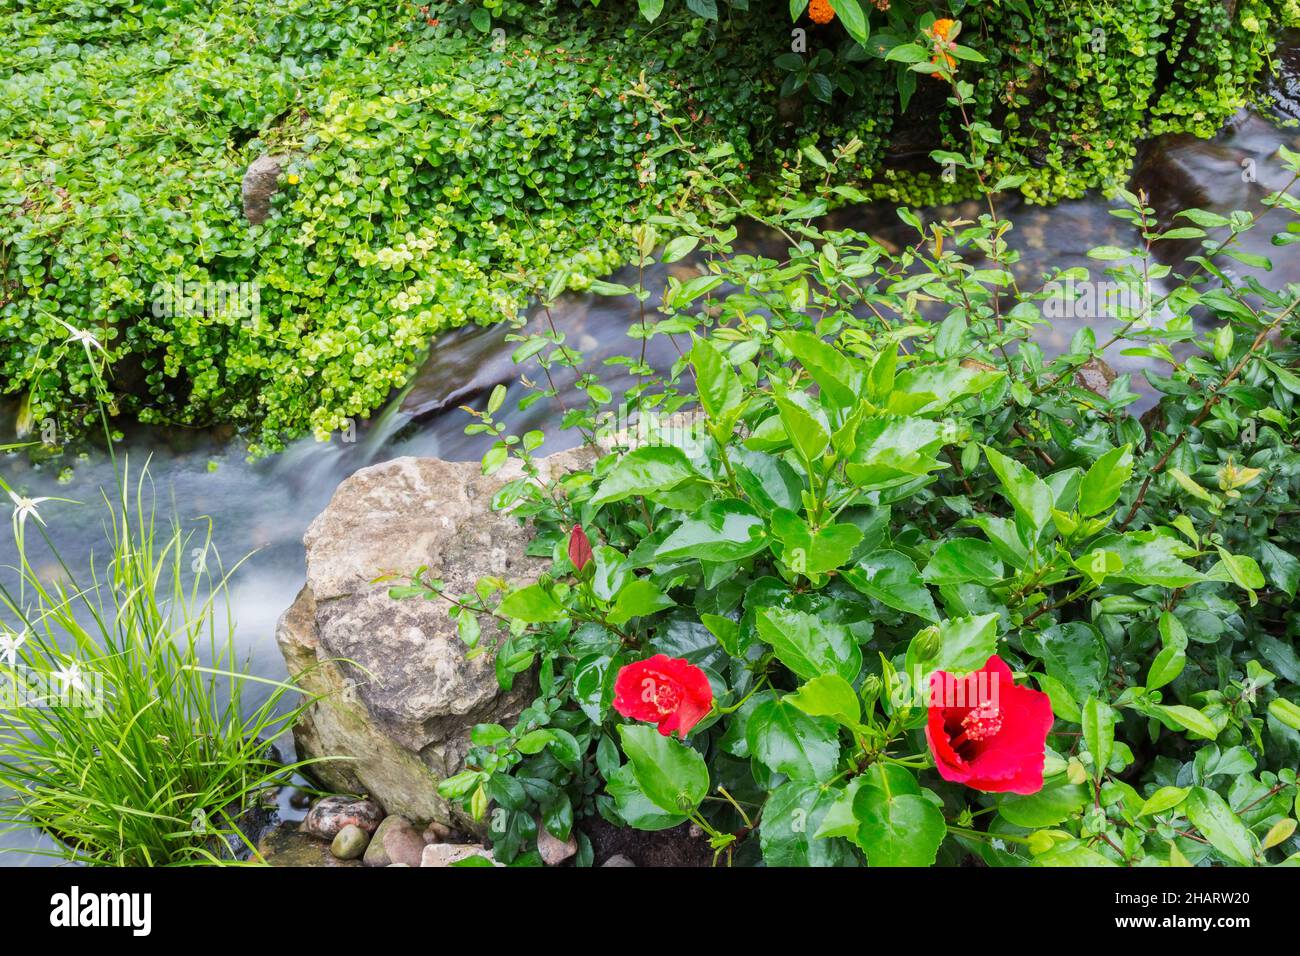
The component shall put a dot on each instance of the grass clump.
(125, 728)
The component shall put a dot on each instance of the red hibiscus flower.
(663, 690)
(579, 547)
(986, 732)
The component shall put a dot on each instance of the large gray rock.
(397, 695)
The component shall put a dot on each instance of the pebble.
(618, 859)
(445, 854)
(437, 832)
(396, 841)
(350, 843)
(332, 814)
(552, 851)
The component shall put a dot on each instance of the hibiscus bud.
(579, 548)
(926, 644)
(871, 688)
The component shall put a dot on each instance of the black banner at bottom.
(497, 906)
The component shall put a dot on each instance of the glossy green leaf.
(533, 605)
(1098, 733)
(959, 560)
(892, 579)
(898, 829)
(724, 529)
(672, 775)
(1025, 492)
(828, 696)
(791, 742)
(791, 817)
(638, 598)
(647, 471)
(810, 645)
(1104, 481)
(966, 643)
(1055, 803)
(1211, 814)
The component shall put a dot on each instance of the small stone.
(350, 843)
(1153, 420)
(437, 832)
(684, 271)
(618, 859)
(391, 865)
(396, 841)
(552, 851)
(1095, 375)
(332, 814)
(261, 180)
(445, 854)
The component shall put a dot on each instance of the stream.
(265, 507)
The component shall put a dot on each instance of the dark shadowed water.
(265, 507)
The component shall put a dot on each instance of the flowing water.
(265, 507)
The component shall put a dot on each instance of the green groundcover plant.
(866, 577)
(441, 163)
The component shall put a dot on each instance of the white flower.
(9, 644)
(70, 677)
(24, 508)
(82, 336)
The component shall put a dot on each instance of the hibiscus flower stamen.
(661, 693)
(980, 723)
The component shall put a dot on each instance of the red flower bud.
(987, 733)
(579, 548)
(667, 691)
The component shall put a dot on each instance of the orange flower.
(821, 11)
(939, 32)
(940, 28)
